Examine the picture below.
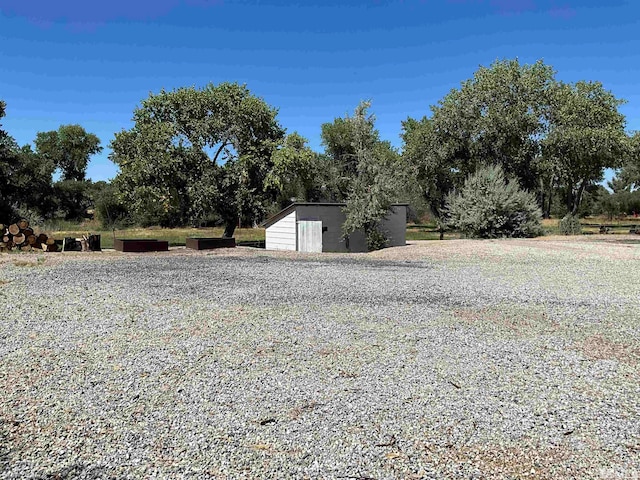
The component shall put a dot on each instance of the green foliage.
(177, 141)
(546, 134)
(491, 206)
(297, 172)
(630, 173)
(376, 240)
(369, 172)
(69, 149)
(25, 179)
(586, 135)
(570, 225)
(108, 210)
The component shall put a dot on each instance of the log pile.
(19, 236)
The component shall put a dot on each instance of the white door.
(310, 236)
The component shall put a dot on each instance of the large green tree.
(586, 135)
(193, 152)
(540, 131)
(495, 117)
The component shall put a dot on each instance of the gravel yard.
(458, 359)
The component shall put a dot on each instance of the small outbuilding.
(317, 227)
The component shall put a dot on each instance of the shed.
(317, 227)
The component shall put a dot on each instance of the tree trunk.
(577, 198)
(229, 228)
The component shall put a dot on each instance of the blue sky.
(91, 63)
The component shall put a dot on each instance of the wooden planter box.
(210, 243)
(139, 245)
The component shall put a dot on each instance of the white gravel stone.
(522, 358)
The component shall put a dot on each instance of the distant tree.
(297, 172)
(107, 209)
(630, 173)
(25, 179)
(69, 148)
(219, 133)
(434, 176)
(8, 148)
(586, 136)
(489, 205)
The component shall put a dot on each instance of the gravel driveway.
(460, 359)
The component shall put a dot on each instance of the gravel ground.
(458, 359)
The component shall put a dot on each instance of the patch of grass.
(591, 224)
(428, 231)
(175, 236)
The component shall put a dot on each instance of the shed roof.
(286, 211)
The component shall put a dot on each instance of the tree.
(490, 205)
(630, 174)
(297, 172)
(219, 133)
(69, 148)
(8, 148)
(542, 132)
(25, 179)
(433, 174)
(368, 172)
(586, 136)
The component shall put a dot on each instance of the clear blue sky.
(76, 61)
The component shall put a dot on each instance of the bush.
(376, 240)
(491, 206)
(570, 225)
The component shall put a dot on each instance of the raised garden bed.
(140, 245)
(210, 243)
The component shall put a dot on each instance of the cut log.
(23, 223)
(14, 229)
(53, 248)
(6, 238)
(42, 238)
(27, 232)
(18, 239)
(32, 239)
(50, 241)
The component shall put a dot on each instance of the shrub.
(570, 225)
(376, 240)
(491, 206)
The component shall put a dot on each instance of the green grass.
(175, 236)
(428, 232)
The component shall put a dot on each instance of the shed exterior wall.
(332, 219)
(282, 234)
(395, 226)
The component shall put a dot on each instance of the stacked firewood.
(19, 236)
